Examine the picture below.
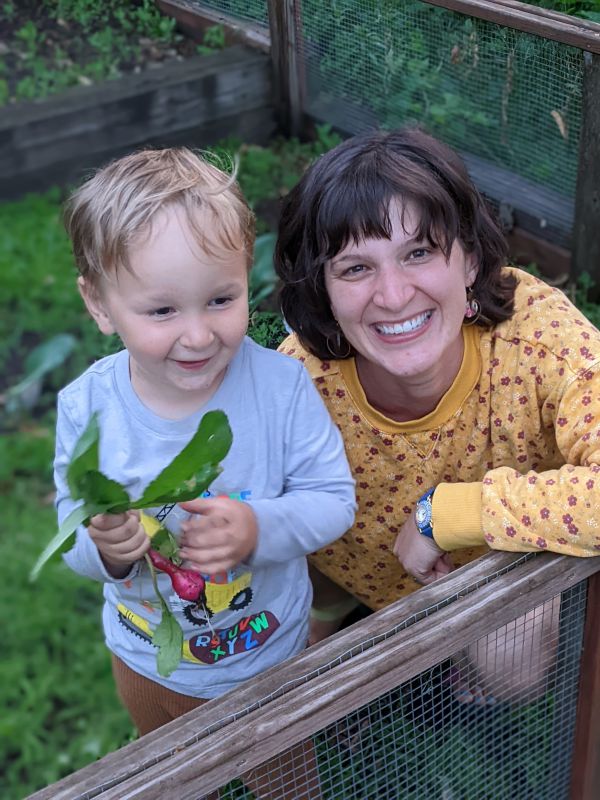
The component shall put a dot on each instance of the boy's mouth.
(192, 365)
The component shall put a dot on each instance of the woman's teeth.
(404, 327)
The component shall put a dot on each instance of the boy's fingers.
(208, 506)
(197, 506)
(106, 522)
(203, 525)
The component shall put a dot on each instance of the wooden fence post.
(585, 767)
(586, 227)
(288, 72)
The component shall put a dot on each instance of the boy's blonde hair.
(112, 209)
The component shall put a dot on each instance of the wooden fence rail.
(212, 745)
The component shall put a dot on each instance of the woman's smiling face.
(401, 304)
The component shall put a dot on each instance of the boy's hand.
(223, 534)
(419, 555)
(121, 540)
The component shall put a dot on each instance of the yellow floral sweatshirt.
(513, 448)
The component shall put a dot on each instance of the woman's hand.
(222, 533)
(121, 540)
(419, 555)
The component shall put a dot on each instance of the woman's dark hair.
(345, 196)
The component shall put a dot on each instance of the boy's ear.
(94, 304)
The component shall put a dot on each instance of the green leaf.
(165, 543)
(193, 470)
(63, 539)
(41, 360)
(84, 458)
(95, 487)
(168, 638)
(85, 480)
(190, 489)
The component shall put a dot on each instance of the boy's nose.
(197, 335)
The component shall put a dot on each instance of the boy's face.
(181, 314)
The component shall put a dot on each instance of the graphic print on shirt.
(226, 591)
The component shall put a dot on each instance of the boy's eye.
(220, 301)
(163, 311)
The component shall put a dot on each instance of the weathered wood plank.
(195, 17)
(85, 126)
(530, 19)
(286, 58)
(193, 762)
(585, 770)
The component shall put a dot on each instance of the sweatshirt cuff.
(456, 515)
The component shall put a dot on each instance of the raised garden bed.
(192, 102)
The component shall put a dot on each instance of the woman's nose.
(392, 288)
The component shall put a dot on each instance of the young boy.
(163, 243)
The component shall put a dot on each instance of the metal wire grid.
(493, 722)
(509, 97)
(253, 10)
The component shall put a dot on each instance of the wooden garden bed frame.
(193, 102)
(210, 746)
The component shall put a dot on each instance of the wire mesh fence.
(495, 721)
(467, 689)
(509, 97)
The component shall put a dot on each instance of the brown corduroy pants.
(150, 705)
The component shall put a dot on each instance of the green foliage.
(262, 276)
(267, 174)
(40, 298)
(580, 295)
(59, 707)
(213, 40)
(102, 40)
(41, 360)
(189, 474)
(267, 329)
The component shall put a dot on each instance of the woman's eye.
(419, 253)
(355, 269)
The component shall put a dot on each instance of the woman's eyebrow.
(353, 256)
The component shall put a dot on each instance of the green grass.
(59, 709)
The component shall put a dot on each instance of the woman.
(468, 393)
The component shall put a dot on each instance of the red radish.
(187, 584)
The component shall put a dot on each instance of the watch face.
(423, 514)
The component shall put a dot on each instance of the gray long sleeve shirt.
(287, 461)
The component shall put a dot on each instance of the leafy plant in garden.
(185, 478)
(213, 39)
(54, 44)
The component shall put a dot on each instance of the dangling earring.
(337, 345)
(473, 309)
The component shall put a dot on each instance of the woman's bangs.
(360, 212)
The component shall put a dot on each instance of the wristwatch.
(423, 512)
